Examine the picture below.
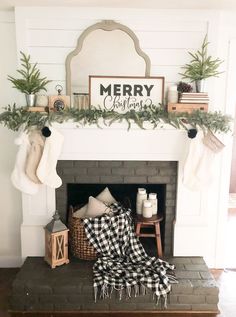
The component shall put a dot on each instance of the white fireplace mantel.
(117, 143)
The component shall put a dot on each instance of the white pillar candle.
(152, 197)
(141, 196)
(173, 94)
(147, 209)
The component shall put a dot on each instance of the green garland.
(15, 118)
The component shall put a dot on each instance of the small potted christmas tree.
(201, 66)
(30, 83)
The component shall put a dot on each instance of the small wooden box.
(58, 102)
(187, 107)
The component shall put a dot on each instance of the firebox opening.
(78, 194)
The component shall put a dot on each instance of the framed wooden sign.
(122, 94)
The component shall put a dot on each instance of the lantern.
(56, 242)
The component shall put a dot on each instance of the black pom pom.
(192, 133)
(46, 132)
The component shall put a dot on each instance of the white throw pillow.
(106, 197)
(96, 208)
(80, 213)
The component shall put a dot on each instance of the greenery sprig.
(15, 118)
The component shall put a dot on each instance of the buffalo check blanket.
(123, 265)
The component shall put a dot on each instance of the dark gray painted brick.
(85, 163)
(63, 164)
(159, 163)
(17, 302)
(172, 299)
(196, 267)
(78, 275)
(87, 179)
(112, 179)
(134, 163)
(147, 306)
(206, 275)
(159, 179)
(54, 299)
(36, 287)
(18, 287)
(179, 307)
(67, 307)
(182, 287)
(170, 203)
(167, 172)
(99, 171)
(135, 179)
(205, 287)
(40, 307)
(205, 307)
(122, 305)
(67, 179)
(197, 260)
(79, 299)
(212, 299)
(101, 305)
(88, 289)
(169, 210)
(182, 260)
(146, 171)
(187, 274)
(110, 163)
(74, 171)
(123, 171)
(66, 289)
(191, 299)
(170, 195)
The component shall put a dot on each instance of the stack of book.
(194, 97)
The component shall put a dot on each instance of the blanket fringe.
(106, 292)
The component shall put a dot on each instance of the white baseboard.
(10, 261)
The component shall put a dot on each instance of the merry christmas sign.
(122, 94)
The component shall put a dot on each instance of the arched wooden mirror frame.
(106, 25)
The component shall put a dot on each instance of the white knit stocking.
(46, 170)
(198, 165)
(19, 178)
(36, 140)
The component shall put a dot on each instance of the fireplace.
(121, 147)
(84, 178)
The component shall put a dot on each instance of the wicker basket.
(79, 244)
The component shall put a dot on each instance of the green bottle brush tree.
(31, 81)
(201, 66)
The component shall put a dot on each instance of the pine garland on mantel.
(15, 118)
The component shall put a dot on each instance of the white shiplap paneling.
(167, 44)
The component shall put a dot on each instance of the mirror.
(106, 49)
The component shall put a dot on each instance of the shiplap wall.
(10, 211)
(165, 36)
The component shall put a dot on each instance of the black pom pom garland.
(46, 132)
(192, 133)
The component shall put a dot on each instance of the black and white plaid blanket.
(123, 265)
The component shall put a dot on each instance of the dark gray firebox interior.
(82, 179)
